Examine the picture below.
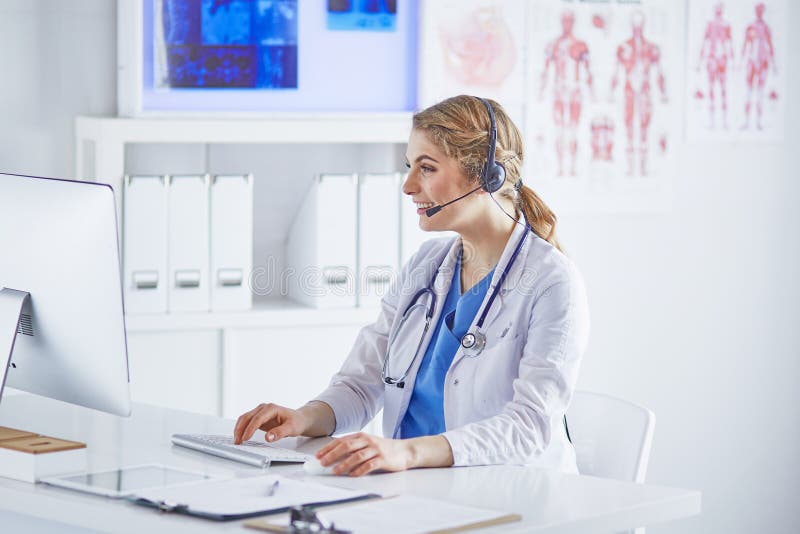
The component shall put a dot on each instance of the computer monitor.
(62, 323)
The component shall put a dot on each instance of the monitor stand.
(29, 448)
(12, 303)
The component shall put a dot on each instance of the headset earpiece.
(493, 174)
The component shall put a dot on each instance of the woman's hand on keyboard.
(276, 421)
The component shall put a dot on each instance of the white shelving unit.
(101, 141)
(279, 351)
(273, 313)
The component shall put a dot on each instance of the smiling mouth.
(424, 205)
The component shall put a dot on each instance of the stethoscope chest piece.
(473, 343)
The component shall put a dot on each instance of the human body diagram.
(580, 134)
(735, 76)
(638, 60)
(568, 58)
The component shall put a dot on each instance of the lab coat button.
(455, 382)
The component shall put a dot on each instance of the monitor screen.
(61, 312)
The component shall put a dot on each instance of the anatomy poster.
(736, 56)
(473, 47)
(602, 109)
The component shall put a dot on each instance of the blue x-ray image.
(226, 22)
(212, 66)
(340, 6)
(184, 65)
(181, 21)
(278, 67)
(276, 22)
(228, 43)
(369, 15)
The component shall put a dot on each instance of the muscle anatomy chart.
(735, 87)
(568, 58)
(473, 47)
(600, 116)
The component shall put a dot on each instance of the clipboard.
(177, 508)
(453, 521)
(244, 498)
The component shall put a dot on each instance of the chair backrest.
(611, 436)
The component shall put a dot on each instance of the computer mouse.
(313, 467)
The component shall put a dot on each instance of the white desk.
(548, 501)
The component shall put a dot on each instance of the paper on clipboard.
(399, 515)
(238, 498)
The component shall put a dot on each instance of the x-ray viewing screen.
(264, 55)
(226, 43)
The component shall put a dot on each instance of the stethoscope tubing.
(478, 338)
(496, 288)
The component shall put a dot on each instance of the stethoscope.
(472, 343)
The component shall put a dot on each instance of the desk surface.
(547, 501)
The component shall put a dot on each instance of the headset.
(493, 174)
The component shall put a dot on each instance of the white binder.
(231, 242)
(188, 243)
(321, 249)
(145, 244)
(378, 235)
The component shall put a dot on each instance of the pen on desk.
(272, 488)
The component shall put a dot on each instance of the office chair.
(612, 437)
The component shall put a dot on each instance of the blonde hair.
(460, 126)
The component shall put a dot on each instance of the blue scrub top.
(425, 414)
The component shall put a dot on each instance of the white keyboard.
(257, 453)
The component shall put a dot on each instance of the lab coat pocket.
(392, 401)
(496, 368)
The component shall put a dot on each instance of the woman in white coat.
(476, 351)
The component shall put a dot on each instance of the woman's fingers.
(274, 433)
(276, 421)
(338, 448)
(355, 460)
(263, 414)
(329, 447)
(359, 454)
(367, 467)
(326, 449)
(356, 455)
(332, 452)
(241, 423)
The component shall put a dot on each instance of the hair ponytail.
(539, 215)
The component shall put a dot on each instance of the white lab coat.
(505, 405)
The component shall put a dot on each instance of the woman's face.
(434, 179)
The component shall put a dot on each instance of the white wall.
(694, 312)
(695, 315)
(58, 60)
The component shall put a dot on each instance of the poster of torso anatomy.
(736, 88)
(473, 47)
(604, 87)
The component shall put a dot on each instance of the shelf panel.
(279, 128)
(265, 314)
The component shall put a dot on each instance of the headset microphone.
(430, 212)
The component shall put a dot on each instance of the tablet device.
(125, 481)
